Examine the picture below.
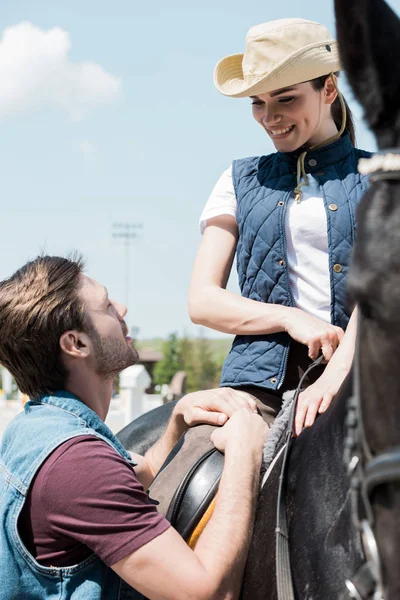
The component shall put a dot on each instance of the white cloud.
(36, 73)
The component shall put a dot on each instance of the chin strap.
(301, 171)
(301, 174)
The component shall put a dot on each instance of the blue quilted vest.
(263, 187)
(28, 440)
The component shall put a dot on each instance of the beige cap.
(278, 54)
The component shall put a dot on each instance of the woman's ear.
(330, 92)
(75, 344)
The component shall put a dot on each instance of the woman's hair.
(337, 116)
(37, 305)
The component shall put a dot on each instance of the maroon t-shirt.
(86, 498)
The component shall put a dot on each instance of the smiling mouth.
(279, 132)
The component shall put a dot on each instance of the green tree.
(171, 362)
(206, 367)
(187, 363)
(194, 356)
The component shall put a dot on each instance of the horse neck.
(380, 386)
(322, 445)
(380, 406)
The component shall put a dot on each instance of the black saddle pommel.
(195, 493)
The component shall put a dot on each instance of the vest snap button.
(273, 380)
(337, 268)
(281, 262)
(281, 203)
(333, 206)
(312, 162)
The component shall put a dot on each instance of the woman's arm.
(212, 305)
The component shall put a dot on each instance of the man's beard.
(112, 355)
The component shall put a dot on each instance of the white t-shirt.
(307, 242)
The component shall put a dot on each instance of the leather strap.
(385, 468)
(362, 585)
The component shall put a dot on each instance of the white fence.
(130, 404)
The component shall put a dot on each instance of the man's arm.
(213, 407)
(167, 569)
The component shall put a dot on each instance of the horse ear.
(368, 32)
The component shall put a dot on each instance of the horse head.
(368, 32)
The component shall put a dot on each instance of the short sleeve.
(222, 200)
(90, 494)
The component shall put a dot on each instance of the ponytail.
(318, 84)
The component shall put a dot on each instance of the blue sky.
(108, 113)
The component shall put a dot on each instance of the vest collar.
(321, 157)
(68, 401)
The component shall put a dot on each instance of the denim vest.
(263, 187)
(28, 440)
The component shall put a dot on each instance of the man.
(75, 521)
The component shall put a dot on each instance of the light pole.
(127, 232)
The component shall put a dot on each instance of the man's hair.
(37, 305)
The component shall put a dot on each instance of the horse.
(140, 435)
(342, 504)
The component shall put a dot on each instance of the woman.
(290, 218)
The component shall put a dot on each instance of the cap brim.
(303, 65)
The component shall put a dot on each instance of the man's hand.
(213, 407)
(243, 430)
(314, 333)
(316, 399)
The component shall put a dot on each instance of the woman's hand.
(316, 399)
(314, 333)
(213, 407)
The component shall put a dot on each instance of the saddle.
(187, 483)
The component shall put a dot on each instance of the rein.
(284, 581)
